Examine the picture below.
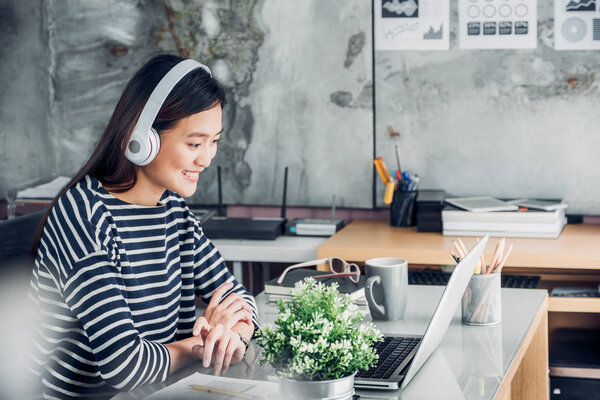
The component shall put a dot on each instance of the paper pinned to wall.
(411, 24)
(576, 25)
(497, 24)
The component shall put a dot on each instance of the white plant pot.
(334, 389)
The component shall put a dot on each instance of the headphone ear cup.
(154, 144)
(143, 147)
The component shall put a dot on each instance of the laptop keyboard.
(436, 277)
(392, 351)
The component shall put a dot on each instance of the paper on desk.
(254, 389)
(45, 191)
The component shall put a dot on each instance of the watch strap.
(244, 340)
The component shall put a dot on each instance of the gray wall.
(297, 77)
(507, 123)
(499, 122)
(26, 150)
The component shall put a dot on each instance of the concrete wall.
(295, 88)
(500, 122)
(506, 123)
(26, 149)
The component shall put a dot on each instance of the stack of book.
(276, 291)
(525, 223)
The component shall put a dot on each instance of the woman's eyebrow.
(202, 134)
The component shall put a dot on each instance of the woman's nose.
(204, 157)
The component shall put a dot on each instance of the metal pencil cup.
(482, 303)
(402, 209)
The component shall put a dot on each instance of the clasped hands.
(218, 342)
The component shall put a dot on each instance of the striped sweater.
(112, 283)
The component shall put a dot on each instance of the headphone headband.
(144, 144)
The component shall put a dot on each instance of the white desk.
(284, 249)
(508, 361)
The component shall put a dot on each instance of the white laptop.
(401, 356)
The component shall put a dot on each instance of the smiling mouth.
(190, 174)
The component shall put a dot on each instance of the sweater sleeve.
(210, 272)
(92, 288)
(95, 294)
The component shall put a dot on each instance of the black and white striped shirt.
(113, 282)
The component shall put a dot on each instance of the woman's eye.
(195, 145)
(216, 141)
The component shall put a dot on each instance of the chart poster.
(412, 24)
(576, 25)
(497, 24)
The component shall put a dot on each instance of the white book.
(481, 204)
(505, 233)
(528, 216)
(548, 227)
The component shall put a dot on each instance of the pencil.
(210, 389)
(454, 256)
(462, 246)
(497, 255)
(482, 259)
(499, 268)
(458, 249)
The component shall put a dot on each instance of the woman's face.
(185, 151)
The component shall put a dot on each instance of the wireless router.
(222, 227)
(315, 226)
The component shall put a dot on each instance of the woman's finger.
(234, 343)
(198, 351)
(219, 293)
(221, 353)
(230, 299)
(233, 307)
(209, 344)
(240, 316)
(200, 323)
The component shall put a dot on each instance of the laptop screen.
(445, 309)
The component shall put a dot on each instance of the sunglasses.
(338, 266)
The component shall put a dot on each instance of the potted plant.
(317, 347)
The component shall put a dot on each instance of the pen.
(210, 389)
(384, 173)
(398, 160)
(415, 183)
(390, 187)
(407, 180)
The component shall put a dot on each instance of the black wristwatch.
(244, 340)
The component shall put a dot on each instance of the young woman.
(120, 257)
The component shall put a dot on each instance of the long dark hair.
(196, 92)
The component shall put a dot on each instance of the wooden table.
(571, 260)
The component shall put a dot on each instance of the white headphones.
(144, 142)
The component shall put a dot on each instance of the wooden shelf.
(572, 304)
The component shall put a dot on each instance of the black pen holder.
(402, 209)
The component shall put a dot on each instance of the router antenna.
(285, 173)
(220, 209)
(333, 208)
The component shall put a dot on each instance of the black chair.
(16, 237)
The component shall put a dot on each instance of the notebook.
(401, 356)
(345, 285)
